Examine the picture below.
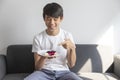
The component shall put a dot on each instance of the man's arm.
(71, 52)
(71, 57)
(39, 61)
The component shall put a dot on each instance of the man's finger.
(62, 43)
(67, 39)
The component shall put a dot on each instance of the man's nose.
(52, 21)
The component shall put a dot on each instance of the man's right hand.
(47, 55)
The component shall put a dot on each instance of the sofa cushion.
(17, 76)
(98, 76)
(84, 76)
(20, 59)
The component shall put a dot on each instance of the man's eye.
(55, 19)
(48, 18)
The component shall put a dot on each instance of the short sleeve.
(36, 48)
(35, 45)
(71, 38)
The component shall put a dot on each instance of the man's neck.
(53, 33)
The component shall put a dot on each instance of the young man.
(54, 49)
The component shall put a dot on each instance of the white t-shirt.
(44, 42)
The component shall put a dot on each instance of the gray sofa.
(94, 62)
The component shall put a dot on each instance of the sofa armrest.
(2, 66)
(117, 64)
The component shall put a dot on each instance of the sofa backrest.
(90, 58)
(93, 58)
(19, 59)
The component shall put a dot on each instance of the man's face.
(52, 23)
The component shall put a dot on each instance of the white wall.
(117, 33)
(87, 20)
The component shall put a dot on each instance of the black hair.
(53, 10)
